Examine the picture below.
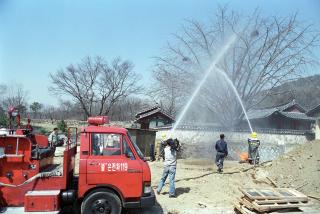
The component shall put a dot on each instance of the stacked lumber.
(269, 199)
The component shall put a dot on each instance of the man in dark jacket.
(222, 152)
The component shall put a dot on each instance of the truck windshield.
(136, 146)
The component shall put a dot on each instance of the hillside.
(306, 91)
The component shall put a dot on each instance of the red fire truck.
(112, 171)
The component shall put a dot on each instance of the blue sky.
(38, 37)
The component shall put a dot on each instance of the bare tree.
(266, 53)
(49, 112)
(167, 91)
(126, 109)
(95, 84)
(15, 96)
(117, 82)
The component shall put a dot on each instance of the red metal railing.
(70, 142)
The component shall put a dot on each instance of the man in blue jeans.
(170, 163)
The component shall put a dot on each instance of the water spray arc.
(236, 93)
(203, 80)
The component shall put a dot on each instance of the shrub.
(3, 118)
(43, 131)
(62, 126)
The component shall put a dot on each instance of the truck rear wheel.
(102, 202)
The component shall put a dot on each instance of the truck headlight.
(147, 188)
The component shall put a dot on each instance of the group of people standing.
(169, 155)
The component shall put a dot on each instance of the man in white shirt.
(170, 163)
(53, 137)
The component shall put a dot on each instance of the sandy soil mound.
(299, 169)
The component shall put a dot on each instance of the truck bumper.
(145, 201)
(148, 201)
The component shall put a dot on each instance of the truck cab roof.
(104, 129)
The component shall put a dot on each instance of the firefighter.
(170, 163)
(54, 137)
(253, 149)
(222, 151)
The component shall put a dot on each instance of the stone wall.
(200, 143)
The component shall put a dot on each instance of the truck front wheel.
(102, 202)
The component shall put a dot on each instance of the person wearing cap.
(222, 151)
(253, 149)
(170, 163)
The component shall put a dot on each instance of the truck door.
(111, 162)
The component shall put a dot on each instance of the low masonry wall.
(200, 143)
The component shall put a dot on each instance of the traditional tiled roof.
(296, 115)
(314, 110)
(264, 113)
(283, 107)
(260, 113)
(144, 111)
(150, 111)
(291, 104)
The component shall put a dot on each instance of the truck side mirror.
(129, 155)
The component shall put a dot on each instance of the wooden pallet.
(270, 205)
(269, 199)
(242, 209)
(274, 193)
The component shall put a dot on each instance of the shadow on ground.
(156, 209)
(179, 191)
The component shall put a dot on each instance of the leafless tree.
(267, 52)
(49, 112)
(167, 91)
(126, 109)
(15, 96)
(95, 84)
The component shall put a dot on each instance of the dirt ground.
(200, 189)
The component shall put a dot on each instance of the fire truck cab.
(112, 172)
(112, 167)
